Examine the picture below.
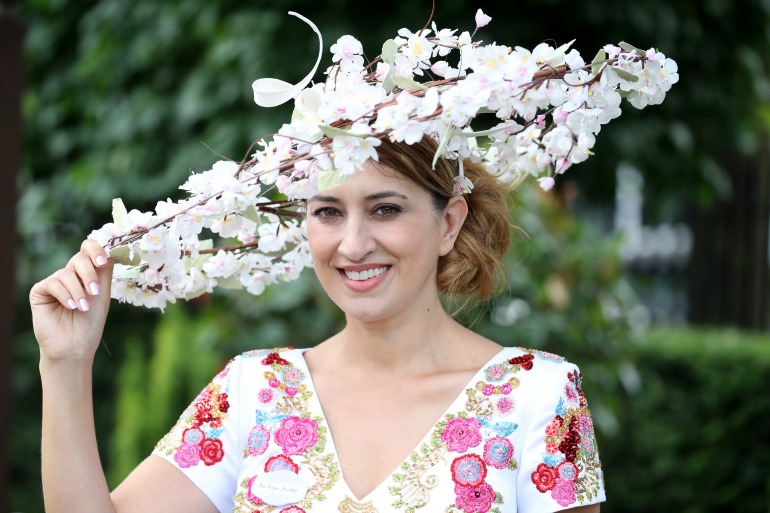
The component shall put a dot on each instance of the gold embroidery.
(418, 479)
(351, 506)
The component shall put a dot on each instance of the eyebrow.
(370, 197)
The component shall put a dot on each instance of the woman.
(403, 410)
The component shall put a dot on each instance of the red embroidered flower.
(211, 451)
(295, 435)
(524, 360)
(274, 358)
(468, 470)
(544, 477)
(223, 404)
(292, 509)
(460, 434)
(474, 499)
(281, 462)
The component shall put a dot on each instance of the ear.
(452, 221)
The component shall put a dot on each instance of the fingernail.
(71, 303)
(100, 261)
(84, 305)
(94, 288)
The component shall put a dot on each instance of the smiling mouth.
(365, 275)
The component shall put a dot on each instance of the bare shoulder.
(157, 486)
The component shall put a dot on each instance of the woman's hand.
(69, 308)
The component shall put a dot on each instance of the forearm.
(73, 478)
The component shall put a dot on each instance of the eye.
(325, 213)
(387, 210)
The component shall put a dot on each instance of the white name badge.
(280, 488)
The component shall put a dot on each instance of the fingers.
(95, 252)
(87, 275)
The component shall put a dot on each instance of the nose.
(357, 239)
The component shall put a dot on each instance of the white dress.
(519, 438)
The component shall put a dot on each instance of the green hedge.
(695, 436)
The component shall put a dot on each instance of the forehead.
(371, 182)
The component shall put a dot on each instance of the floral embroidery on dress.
(195, 437)
(570, 471)
(300, 438)
(464, 433)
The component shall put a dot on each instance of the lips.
(366, 274)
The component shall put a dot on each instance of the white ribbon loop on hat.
(271, 92)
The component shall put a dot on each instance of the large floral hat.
(241, 224)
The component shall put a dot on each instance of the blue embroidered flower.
(505, 428)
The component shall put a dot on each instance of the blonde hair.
(474, 266)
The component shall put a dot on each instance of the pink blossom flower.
(291, 391)
(187, 455)
(506, 389)
(488, 390)
(546, 183)
(474, 499)
(460, 434)
(564, 492)
(482, 19)
(295, 435)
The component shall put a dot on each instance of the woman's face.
(376, 240)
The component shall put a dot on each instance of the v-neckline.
(318, 407)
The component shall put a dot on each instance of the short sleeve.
(559, 464)
(204, 442)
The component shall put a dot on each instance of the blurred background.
(648, 266)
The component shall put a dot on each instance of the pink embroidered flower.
(291, 391)
(460, 434)
(292, 375)
(552, 428)
(295, 435)
(468, 470)
(211, 451)
(571, 393)
(488, 390)
(292, 509)
(552, 448)
(564, 492)
(281, 462)
(474, 499)
(273, 382)
(252, 498)
(506, 389)
(259, 439)
(192, 436)
(498, 451)
(544, 477)
(495, 372)
(265, 396)
(567, 470)
(187, 455)
(505, 406)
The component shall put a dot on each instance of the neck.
(418, 340)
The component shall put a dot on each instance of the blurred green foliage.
(124, 99)
(694, 437)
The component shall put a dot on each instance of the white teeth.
(365, 275)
